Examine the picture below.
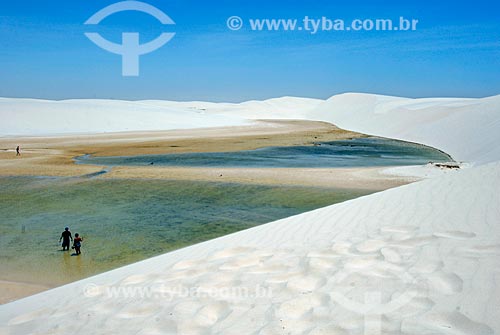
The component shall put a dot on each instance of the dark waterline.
(358, 152)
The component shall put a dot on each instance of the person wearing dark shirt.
(65, 237)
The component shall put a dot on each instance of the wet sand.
(349, 178)
(10, 291)
(53, 156)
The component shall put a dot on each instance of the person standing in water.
(65, 237)
(18, 151)
(77, 243)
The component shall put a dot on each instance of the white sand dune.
(33, 117)
(418, 259)
(467, 129)
(41, 117)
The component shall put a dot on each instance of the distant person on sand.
(65, 237)
(18, 151)
(77, 243)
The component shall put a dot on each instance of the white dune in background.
(31, 117)
(418, 259)
(437, 122)
(467, 129)
(41, 117)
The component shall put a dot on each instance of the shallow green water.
(123, 221)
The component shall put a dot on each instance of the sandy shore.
(10, 291)
(348, 178)
(53, 156)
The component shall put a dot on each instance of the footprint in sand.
(282, 278)
(135, 310)
(296, 308)
(329, 253)
(231, 252)
(414, 242)
(341, 248)
(391, 255)
(241, 262)
(426, 266)
(370, 246)
(32, 316)
(138, 279)
(306, 282)
(445, 283)
(211, 314)
(106, 307)
(455, 234)
(482, 250)
(186, 309)
(361, 262)
(186, 264)
(324, 264)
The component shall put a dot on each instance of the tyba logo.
(130, 49)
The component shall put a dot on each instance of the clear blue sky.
(454, 52)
